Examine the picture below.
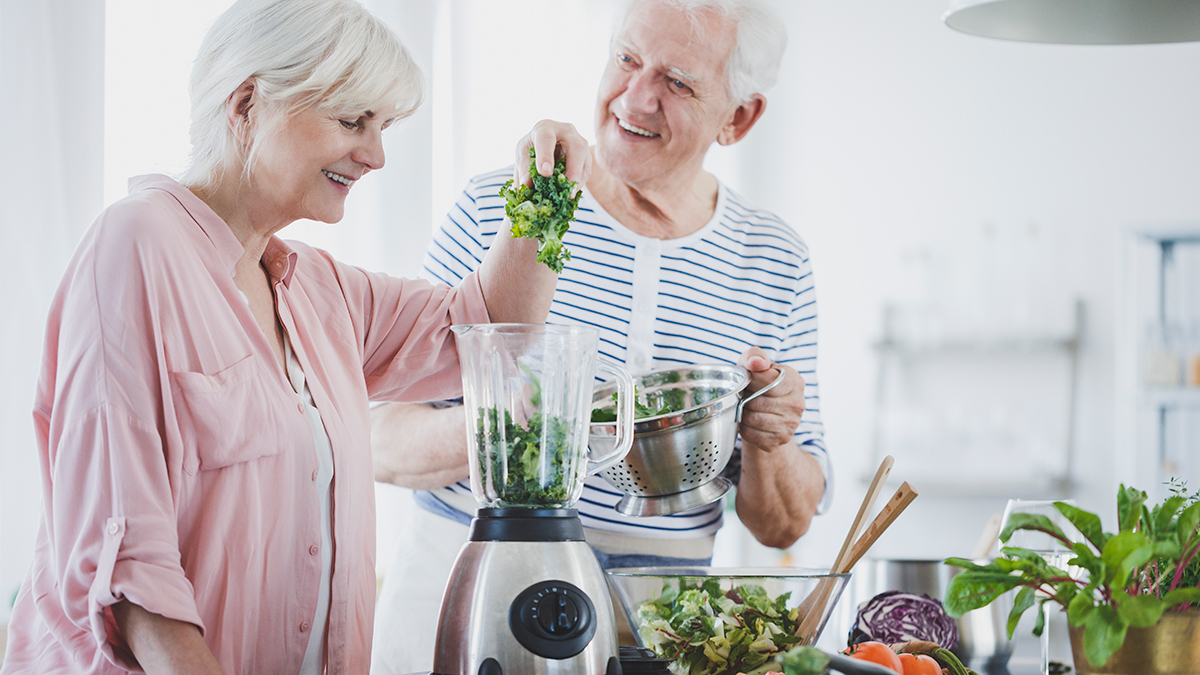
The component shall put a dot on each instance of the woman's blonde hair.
(328, 54)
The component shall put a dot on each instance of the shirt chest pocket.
(234, 415)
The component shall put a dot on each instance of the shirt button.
(314, 475)
(304, 627)
(300, 408)
(314, 549)
(113, 528)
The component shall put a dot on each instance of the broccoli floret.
(543, 212)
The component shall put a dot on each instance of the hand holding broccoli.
(543, 211)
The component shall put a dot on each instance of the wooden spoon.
(814, 605)
(904, 496)
(988, 538)
(864, 509)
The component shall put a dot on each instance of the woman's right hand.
(549, 138)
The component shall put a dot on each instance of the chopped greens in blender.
(516, 454)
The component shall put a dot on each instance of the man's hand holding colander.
(770, 420)
(780, 485)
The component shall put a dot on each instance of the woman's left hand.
(548, 138)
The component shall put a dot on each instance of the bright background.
(980, 186)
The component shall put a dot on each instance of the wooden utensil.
(814, 605)
(988, 538)
(864, 509)
(905, 494)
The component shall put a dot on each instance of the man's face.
(663, 97)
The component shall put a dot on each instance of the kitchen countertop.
(1026, 657)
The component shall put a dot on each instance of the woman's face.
(309, 165)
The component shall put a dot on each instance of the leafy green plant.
(544, 211)
(1150, 566)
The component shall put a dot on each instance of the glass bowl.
(670, 609)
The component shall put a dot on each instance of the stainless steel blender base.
(526, 597)
(668, 505)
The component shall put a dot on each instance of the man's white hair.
(753, 65)
(301, 54)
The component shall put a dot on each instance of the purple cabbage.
(896, 616)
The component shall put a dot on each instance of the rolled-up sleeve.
(110, 501)
(116, 524)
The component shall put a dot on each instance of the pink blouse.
(177, 468)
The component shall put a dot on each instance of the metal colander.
(677, 456)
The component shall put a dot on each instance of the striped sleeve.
(467, 231)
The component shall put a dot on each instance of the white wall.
(896, 138)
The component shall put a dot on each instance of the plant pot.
(1169, 647)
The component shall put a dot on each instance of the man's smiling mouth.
(338, 177)
(636, 130)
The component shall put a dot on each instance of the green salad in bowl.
(720, 621)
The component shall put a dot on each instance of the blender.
(526, 595)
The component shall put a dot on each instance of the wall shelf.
(964, 461)
(1158, 331)
(976, 348)
(1174, 397)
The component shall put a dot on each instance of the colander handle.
(623, 440)
(737, 417)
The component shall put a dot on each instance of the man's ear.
(237, 111)
(742, 119)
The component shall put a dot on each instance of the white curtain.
(51, 165)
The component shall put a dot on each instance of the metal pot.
(983, 643)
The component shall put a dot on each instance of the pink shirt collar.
(278, 259)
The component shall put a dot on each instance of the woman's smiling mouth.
(338, 178)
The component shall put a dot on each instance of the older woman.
(202, 411)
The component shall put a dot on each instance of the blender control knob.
(553, 619)
(557, 612)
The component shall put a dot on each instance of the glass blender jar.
(527, 390)
(526, 594)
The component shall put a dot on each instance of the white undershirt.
(314, 655)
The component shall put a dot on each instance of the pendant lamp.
(1082, 22)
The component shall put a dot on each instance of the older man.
(673, 267)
